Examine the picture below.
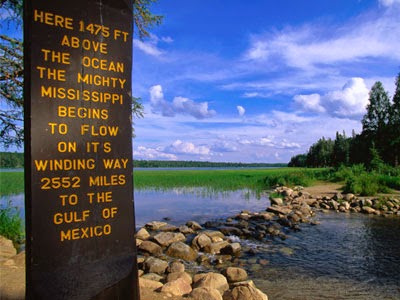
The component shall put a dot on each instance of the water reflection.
(183, 204)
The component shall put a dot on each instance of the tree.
(341, 150)
(394, 124)
(320, 153)
(11, 67)
(375, 121)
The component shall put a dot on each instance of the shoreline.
(13, 272)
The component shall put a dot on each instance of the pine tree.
(376, 120)
(394, 124)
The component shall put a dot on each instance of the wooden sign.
(78, 145)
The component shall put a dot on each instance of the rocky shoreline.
(205, 262)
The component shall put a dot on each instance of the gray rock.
(367, 210)
(194, 225)
(276, 201)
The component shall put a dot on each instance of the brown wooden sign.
(79, 188)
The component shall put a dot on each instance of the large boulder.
(155, 225)
(181, 250)
(142, 234)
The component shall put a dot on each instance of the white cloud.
(310, 102)
(179, 105)
(310, 46)
(241, 110)
(349, 102)
(389, 3)
(187, 148)
(142, 152)
(148, 48)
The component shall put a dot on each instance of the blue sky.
(259, 81)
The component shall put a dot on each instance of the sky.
(259, 81)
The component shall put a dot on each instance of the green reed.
(11, 183)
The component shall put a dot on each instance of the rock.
(12, 275)
(155, 225)
(214, 235)
(168, 228)
(215, 248)
(276, 201)
(185, 229)
(230, 230)
(212, 281)
(155, 265)
(149, 284)
(202, 293)
(176, 266)
(167, 238)
(178, 287)
(142, 234)
(231, 249)
(194, 225)
(152, 276)
(7, 248)
(175, 275)
(367, 210)
(349, 197)
(245, 291)
(200, 241)
(181, 250)
(279, 210)
(150, 247)
(234, 274)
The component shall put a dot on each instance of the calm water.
(347, 256)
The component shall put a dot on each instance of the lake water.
(346, 256)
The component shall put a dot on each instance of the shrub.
(11, 224)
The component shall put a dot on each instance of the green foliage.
(11, 160)
(293, 177)
(299, 161)
(11, 224)
(365, 185)
(198, 164)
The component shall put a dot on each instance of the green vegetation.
(11, 183)
(11, 160)
(11, 224)
(199, 164)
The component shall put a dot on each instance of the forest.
(377, 146)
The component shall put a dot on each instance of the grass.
(11, 225)
(215, 180)
(11, 183)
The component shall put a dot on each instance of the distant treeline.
(376, 145)
(16, 160)
(199, 164)
(11, 160)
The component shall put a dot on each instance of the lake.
(346, 256)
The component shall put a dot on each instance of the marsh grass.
(11, 183)
(211, 180)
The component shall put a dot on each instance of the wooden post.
(78, 143)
